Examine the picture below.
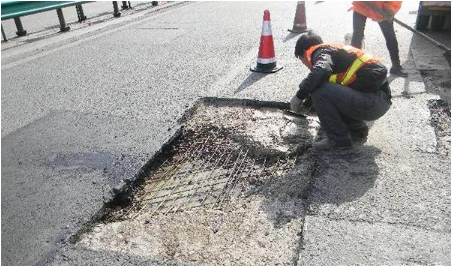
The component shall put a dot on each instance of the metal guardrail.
(13, 9)
(16, 9)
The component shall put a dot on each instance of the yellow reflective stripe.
(365, 57)
(333, 78)
(355, 67)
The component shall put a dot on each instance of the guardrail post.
(116, 12)
(80, 13)
(20, 29)
(125, 5)
(63, 26)
(4, 35)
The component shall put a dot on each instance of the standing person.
(360, 14)
(347, 86)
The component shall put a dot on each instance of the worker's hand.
(308, 105)
(295, 104)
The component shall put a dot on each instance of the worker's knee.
(320, 96)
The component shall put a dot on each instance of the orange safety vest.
(349, 76)
(360, 7)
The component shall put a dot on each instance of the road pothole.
(440, 120)
(438, 82)
(230, 190)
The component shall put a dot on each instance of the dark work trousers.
(387, 27)
(342, 110)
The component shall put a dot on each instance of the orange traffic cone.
(266, 60)
(299, 22)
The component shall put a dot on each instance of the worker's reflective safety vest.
(349, 76)
(363, 9)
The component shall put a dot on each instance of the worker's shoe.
(327, 144)
(360, 136)
(359, 140)
(397, 70)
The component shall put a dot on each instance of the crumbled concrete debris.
(440, 120)
(267, 131)
(256, 222)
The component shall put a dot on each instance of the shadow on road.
(250, 80)
(317, 179)
(290, 36)
(344, 176)
(432, 65)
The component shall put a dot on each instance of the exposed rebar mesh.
(222, 154)
(207, 170)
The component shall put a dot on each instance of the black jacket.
(330, 60)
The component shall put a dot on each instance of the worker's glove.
(308, 105)
(295, 104)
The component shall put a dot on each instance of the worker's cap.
(305, 41)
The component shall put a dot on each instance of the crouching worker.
(347, 86)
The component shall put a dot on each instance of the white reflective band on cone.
(266, 29)
(266, 60)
